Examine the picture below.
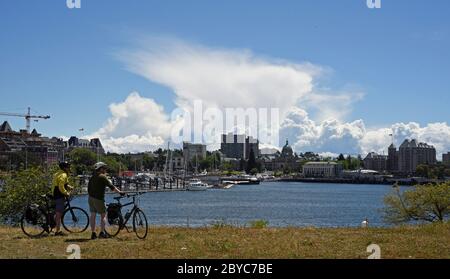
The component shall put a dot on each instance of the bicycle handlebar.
(129, 195)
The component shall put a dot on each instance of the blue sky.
(61, 61)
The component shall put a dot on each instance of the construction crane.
(27, 117)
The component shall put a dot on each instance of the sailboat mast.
(167, 159)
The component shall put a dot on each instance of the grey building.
(94, 145)
(412, 154)
(193, 151)
(322, 169)
(446, 159)
(392, 163)
(286, 160)
(239, 146)
(376, 162)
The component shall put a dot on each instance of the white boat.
(197, 185)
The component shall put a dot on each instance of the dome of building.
(287, 150)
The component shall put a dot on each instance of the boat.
(247, 179)
(197, 185)
(253, 180)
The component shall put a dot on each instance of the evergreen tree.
(251, 164)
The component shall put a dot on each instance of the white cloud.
(221, 78)
(354, 138)
(136, 124)
(436, 134)
(328, 105)
(312, 118)
(330, 135)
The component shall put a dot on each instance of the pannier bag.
(113, 213)
(32, 214)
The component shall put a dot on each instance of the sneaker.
(104, 235)
(93, 235)
(60, 233)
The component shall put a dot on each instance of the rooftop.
(321, 163)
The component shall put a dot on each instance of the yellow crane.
(27, 117)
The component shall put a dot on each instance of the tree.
(227, 166)
(114, 166)
(341, 157)
(422, 170)
(436, 171)
(428, 203)
(23, 188)
(251, 164)
(82, 160)
(205, 164)
(348, 161)
(241, 164)
(148, 162)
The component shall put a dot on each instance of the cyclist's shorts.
(60, 205)
(96, 206)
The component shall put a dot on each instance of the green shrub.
(428, 203)
(259, 224)
(22, 188)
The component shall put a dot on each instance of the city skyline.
(353, 75)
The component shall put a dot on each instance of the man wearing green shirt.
(96, 189)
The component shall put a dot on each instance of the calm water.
(279, 203)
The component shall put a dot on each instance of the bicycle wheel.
(140, 225)
(36, 227)
(113, 228)
(75, 220)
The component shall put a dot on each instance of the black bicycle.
(40, 218)
(117, 221)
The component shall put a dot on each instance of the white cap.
(99, 165)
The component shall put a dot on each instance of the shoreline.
(401, 182)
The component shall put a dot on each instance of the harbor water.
(281, 204)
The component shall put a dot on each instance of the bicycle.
(117, 221)
(38, 219)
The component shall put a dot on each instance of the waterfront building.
(94, 144)
(177, 162)
(392, 164)
(322, 169)
(27, 148)
(286, 160)
(412, 154)
(193, 151)
(446, 159)
(376, 162)
(239, 146)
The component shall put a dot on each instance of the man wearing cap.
(96, 189)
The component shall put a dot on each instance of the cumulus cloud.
(330, 135)
(312, 117)
(436, 134)
(136, 124)
(333, 136)
(221, 78)
(331, 105)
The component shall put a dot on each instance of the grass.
(228, 242)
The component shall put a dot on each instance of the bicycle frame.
(48, 223)
(50, 214)
(125, 221)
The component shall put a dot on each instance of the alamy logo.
(73, 4)
(374, 4)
